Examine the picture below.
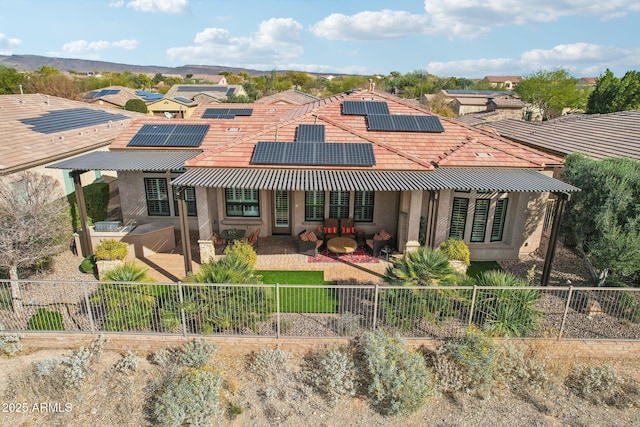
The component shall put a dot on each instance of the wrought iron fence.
(305, 311)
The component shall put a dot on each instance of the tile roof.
(291, 96)
(118, 99)
(595, 135)
(22, 147)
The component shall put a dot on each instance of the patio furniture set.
(340, 237)
(231, 235)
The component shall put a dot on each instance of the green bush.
(5, 297)
(88, 264)
(190, 399)
(466, 363)
(243, 251)
(505, 312)
(111, 249)
(45, 320)
(456, 249)
(96, 197)
(397, 379)
(136, 105)
(127, 272)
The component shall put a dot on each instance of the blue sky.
(463, 38)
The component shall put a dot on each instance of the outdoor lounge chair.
(308, 243)
(347, 228)
(331, 228)
(379, 241)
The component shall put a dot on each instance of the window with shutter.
(314, 205)
(458, 217)
(363, 209)
(157, 196)
(480, 216)
(190, 199)
(499, 219)
(242, 202)
(339, 204)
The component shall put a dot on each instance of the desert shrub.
(110, 250)
(196, 354)
(505, 312)
(456, 249)
(47, 367)
(268, 363)
(128, 362)
(165, 357)
(397, 379)
(348, 324)
(598, 384)
(189, 399)
(332, 373)
(127, 272)
(45, 320)
(10, 344)
(244, 251)
(466, 363)
(514, 370)
(77, 365)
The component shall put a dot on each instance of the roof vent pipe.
(372, 85)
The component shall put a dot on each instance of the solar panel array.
(310, 133)
(363, 108)
(314, 153)
(103, 92)
(404, 123)
(196, 88)
(226, 113)
(74, 118)
(149, 96)
(169, 136)
(183, 99)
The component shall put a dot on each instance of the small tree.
(136, 105)
(35, 223)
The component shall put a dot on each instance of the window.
(363, 210)
(480, 215)
(499, 219)
(190, 199)
(458, 217)
(157, 196)
(314, 205)
(339, 204)
(242, 202)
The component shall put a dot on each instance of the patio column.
(432, 218)
(184, 229)
(85, 237)
(413, 221)
(553, 238)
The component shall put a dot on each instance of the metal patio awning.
(507, 180)
(128, 161)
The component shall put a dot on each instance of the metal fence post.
(566, 310)
(182, 315)
(277, 311)
(473, 304)
(375, 307)
(89, 312)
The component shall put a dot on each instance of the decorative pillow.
(330, 230)
(311, 236)
(377, 237)
(385, 235)
(348, 230)
(304, 236)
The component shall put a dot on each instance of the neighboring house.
(211, 78)
(180, 107)
(588, 81)
(203, 94)
(463, 101)
(370, 156)
(595, 135)
(291, 96)
(496, 109)
(505, 82)
(37, 130)
(113, 96)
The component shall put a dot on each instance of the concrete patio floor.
(274, 253)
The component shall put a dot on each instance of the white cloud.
(385, 24)
(8, 41)
(158, 6)
(581, 59)
(463, 18)
(276, 41)
(116, 3)
(83, 46)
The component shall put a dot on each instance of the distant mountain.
(34, 62)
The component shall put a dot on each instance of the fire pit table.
(342, 245)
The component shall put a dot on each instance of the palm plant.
(505, 312)
(422, 267)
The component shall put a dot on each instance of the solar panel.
(74, 118)
(169, 136)
(226, 113)
(404, 123)
(310, 133)
(183, 99)
(314, 153)
(230, 91)
(362, 108)
(196, 88)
